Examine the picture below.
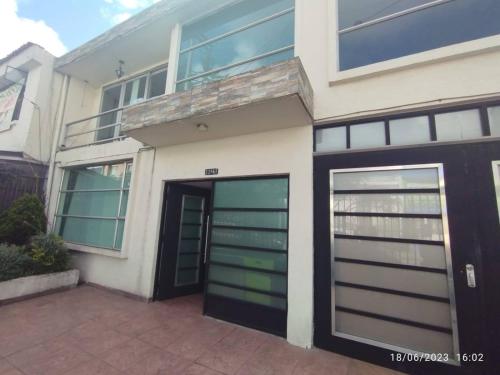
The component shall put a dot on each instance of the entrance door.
(247, 267)
(183, 241)
(406, 257)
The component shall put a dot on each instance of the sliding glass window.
(237, 39)
(372, 31)
(93, 205)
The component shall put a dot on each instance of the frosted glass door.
(391, 284)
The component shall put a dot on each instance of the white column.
(173, 59)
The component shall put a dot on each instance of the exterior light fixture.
(202, 127)
(120, 72)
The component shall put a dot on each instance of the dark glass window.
(373, 31)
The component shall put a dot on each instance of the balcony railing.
(102, 128)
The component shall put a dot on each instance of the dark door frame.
(471, 303)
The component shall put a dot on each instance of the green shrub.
(14, 263)
(48, 254)
(25, 218)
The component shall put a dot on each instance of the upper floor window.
(239, 38)
(132, 91)
(372, 31)
(11, 101)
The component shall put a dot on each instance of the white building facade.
(324, 171)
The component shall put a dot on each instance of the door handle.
(471, 275)
(206, 240)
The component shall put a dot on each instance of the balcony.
(274, 97)
(101, 128)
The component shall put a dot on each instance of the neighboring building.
(27, 84)
(322, 170)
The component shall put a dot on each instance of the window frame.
(496, 179)
(181, 26)
(453, 51)
(89, 248)
(482, 108)
(123, 86)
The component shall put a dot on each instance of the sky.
(60, 25)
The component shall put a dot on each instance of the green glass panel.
(186, 277)
(128, 176)
(261, 193)
(193, 203)
(250, 279)
(191, 217)
(123, 207)
(119, 234)
(191, 231)
(248, 258)
(188, 260)
(189, 246)
(101, 204)
(95, 177)
(243, 295)
(252, 238)
(274, 220)
(92, 232)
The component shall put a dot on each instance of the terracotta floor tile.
(53, 357)
(224, 358)
(94, 367)
(125, 355)
(6, 368)
(319, 362)
(362, 368)
(196, 369)
(96, 338)
(160, 362)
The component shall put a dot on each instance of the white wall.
(33, 132)
(419, 84)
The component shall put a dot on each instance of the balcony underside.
(275, 97)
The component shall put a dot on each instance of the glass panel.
(274, 220)
(438, 26)
(388, 203)
(128, 176)
(239, 69)
(407, 308)
(496, 176)
(331, 139)
(266, 240)
(102, 204)
(248, 258)
(135, 91)
(110, 101)
(119, 234)
(231, 18)
(353, 13)
(408, 131)
(186, 277)
(262, 193)
(191, 217)
(243, 295)
(189, 241)
(368, 135)
(425, 178)
(188, 260)
(262, 281)
(123, 207)
(157, 83)
(414, 338)
(494, 116)
(391, 227)
(92, 232)
(95, 177)
(455, 126)
(188, 246)
(238, 47)
(391, 252)
(427, 283)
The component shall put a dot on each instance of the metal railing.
(101, 128)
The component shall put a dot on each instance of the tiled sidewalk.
(91, 331)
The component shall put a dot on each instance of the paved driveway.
(91, 331)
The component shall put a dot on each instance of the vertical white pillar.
(173, 59)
